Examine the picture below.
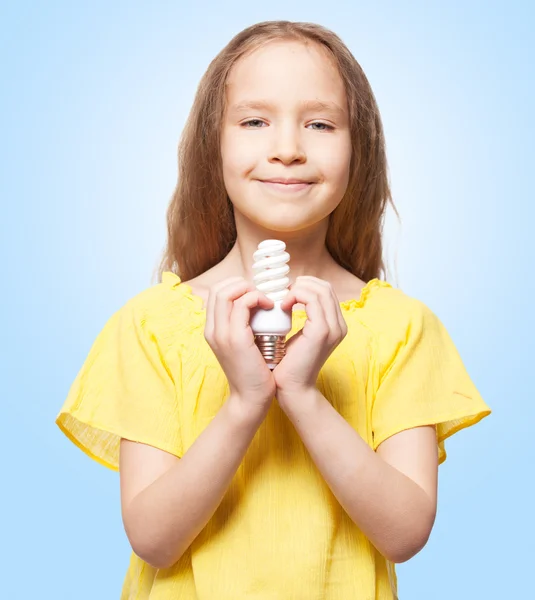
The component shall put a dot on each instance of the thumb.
(293, 339)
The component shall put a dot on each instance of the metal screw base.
(272, 347)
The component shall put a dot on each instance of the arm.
(390, 495)
(166, 501)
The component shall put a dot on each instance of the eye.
(324, 126)
(253, 122)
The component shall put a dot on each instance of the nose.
(286, 146)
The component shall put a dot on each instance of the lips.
(288, 181)
(286, 185)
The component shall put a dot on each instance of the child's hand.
(308, 349)
(228, 333)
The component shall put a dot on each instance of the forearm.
(390, 508)
(168, 515)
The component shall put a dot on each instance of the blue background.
(94, 98)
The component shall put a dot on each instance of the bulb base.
(272, 347)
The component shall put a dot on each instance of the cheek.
(237, 156)
(336, 164)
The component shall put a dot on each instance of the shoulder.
(400, 322)
(390, 312)
(164, 310)
(406, 328)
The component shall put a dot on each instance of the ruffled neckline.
(173, 280)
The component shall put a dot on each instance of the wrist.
(247, 411)
(298, 399)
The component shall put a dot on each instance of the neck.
(307, 250)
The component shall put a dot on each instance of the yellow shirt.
(279, 532)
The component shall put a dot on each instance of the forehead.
(285, 72)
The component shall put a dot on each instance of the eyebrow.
(308, 105)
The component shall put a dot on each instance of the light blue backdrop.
(94, 97)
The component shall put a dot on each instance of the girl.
(312, 480)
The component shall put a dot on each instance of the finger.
(326, 296)
(338, 311)
(330, 303)
(316, 320)
(289, 300)
(293, 339)
(210, 304)
(330, 306)
(224, 301)
(241, 313)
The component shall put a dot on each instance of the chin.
(283, 225)
(278, 218)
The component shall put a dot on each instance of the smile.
(286, 187)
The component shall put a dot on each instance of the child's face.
(286, 138)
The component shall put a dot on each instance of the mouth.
(290, 185)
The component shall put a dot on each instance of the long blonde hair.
(200, 220)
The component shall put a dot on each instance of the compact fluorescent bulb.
(271, 326)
